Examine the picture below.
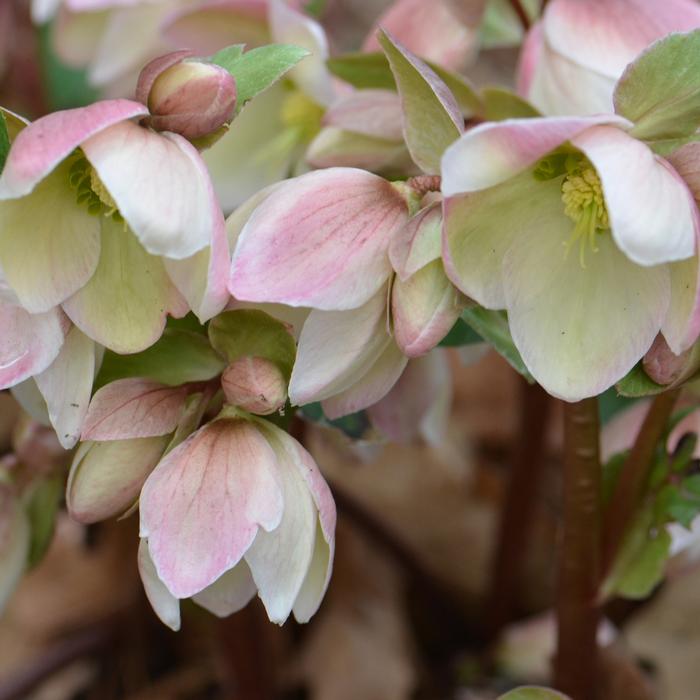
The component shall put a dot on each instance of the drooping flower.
(575, 54)
(591, 247)
(239, 506)
(87, 194)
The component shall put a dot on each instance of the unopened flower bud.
(668, 369)
(255, 384)
(189, 97)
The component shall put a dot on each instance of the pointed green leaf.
(179, 356)
(636, 383)
(466, 95)
(249, 332)
(432, 119)
(460, 334)
(42, 507)
(4, 141)
(363, 70)
(257, 69)
(500, 104)
(228, 57)
(660, 90)
(492, 326)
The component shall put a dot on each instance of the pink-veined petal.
(319, 240)
(29, 342)
(205, 502)
(133, 408)
(161, 186)
(494, 152)
(652, 213)
(43, 144)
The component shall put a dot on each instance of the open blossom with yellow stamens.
(522, 194)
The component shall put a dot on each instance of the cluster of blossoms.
(367, 220)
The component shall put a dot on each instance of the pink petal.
(161, 186)
(43, 144)
(133, 408)
(203, 505)
(605, 35)
(154, 68)
(319, 240)
(530, 56)
(370, 112)
(652, 213)
(29, 342)
(495, 152)
(433, 30)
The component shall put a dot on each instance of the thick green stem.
(576, 664)
(634, 476)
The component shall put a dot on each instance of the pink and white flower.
(592, 250)
(575, 54)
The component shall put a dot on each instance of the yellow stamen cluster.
(301, 113)
(584, 204)
(90, 190)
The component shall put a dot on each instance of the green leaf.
(500, 104)
(665, 147)
(460, 334)
(534, 693)
(179, 356)
(4, 141)
(249, 332)
(228, 57)
(429, 109)
(257, 69)
(315, 8)
(640, 564)
(660, 90)
(466, 95)
(636, 383)
(363, 70)
(611, 473)
(42, 508)
(492, 326)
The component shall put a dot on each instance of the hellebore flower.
(87, 196)
(239, 506)
(583, 234)
(574, 55)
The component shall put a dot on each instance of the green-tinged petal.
(480, 227)
(49, 245)
(125, 303)
(580, 329)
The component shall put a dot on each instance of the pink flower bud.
(255, 384)
(189, 97)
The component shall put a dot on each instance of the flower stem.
(521, 13)
(634, 476)
(576, 661)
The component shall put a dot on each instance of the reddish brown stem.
(634, 476)
(520, 501)
(521, 13)
(576, 663)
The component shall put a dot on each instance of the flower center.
(584, 204)
(90, 190)
(302, 114)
